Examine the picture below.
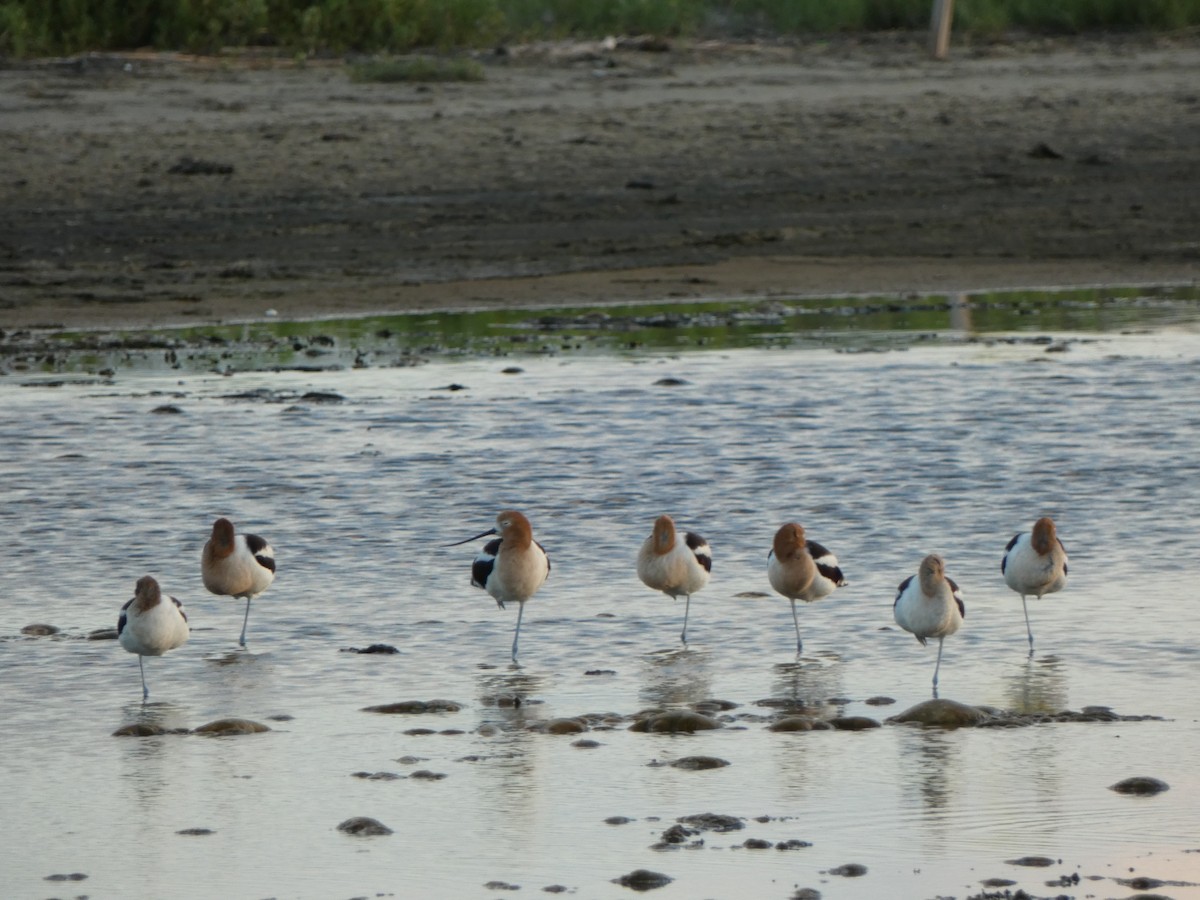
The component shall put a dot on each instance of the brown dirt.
(589, 173)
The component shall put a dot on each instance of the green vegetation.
(44, 27)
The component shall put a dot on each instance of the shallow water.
(943, 446)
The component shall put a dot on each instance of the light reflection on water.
(883, 457)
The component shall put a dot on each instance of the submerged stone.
(712, 822)
(145, 729)
(757, 844)
(853, 723)
(793, 723)
(190, 832)
(102, 634)
(678, 721)
(1140, 785)
(849, 870)
(698, 763)
(643, 880)
(364, 826)
(1036, 862)
(231, 726)
(415, 707)
(40, 630)
(374, 648)
(941, 714)
(564, 726)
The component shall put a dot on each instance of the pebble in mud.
(643, 880)
(1035, 862)
(363, 826)
(502, 886)
(73, 876)
(806, 894)
(712, 822)
(1140, 786)
(230, 727)
(799, 723)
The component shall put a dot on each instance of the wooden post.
(939, 28)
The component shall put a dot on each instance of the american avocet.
(237, 565)
(148, 626)
(930, 605)
(1035, 562)
(512, 567)
(801, 569)
(676, 568)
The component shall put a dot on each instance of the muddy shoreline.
(149, 190)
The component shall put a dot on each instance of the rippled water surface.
(360, 478)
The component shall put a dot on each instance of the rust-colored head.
(789, 541)
(664, 535)
(1044, 535)
(514, 529)
(220, 544)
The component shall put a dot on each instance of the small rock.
(502, 886)
(1140, 785)
(426, 775)
(880, 701)
(364, 826)
(74, 876)
(556, 889)
(699, 763)
(564, 726)
(585, 744)
(374, 648)
(677, 834)
(806, 894)
(643, 880)
(713, 822)
(40, 630)
(942, 714)
(167, 409)
(793, 723)
(321, 397)
(102, 634)
(195, 831)
(415, 706)
(849, 870)
(757, 844)
(617, 820)
(853, 723)
(1035, 862)
(793, 844)
(145, 729)
(231, 726)
(679, 721)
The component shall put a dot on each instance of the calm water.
(886, 456)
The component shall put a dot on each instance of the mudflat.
(157, 189)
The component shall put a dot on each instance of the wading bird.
(1035, 562)
(801, 569)
(150, 624)
(677, 568)
(930, 605)
(512, 567)
(237, 565)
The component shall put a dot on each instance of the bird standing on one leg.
(677, 568)
(801, 570)
(930, 605)
(512, 567)
(237, 565)
(1035, 562)
(149, 626)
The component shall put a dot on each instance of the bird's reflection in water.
(811, 686)
(1038, 686)
(676, 678)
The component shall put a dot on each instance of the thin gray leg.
(145, 690)
(795, 618)
(686, 609)
(245, 619)
(517, 634)
(1028, 629)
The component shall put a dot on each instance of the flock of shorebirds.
(513, 566)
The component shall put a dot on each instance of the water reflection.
(809, 687)
(676, 678)
(930, 757)
(1039, 686)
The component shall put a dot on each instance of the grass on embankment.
(52, 27)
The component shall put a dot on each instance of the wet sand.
(156, 189)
